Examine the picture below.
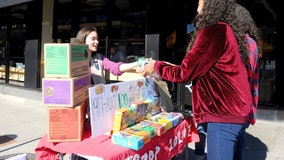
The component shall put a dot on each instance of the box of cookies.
(159, 128)
(131, 141)
(123, 118)
(153, 105)
(65, 60)
(65, 92)
(176, 117)
(66, 124)
(142, 126)
(138, 132)
(172, 119)
(143, 111)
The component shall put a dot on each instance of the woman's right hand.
(148, 68)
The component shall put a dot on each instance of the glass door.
(2, 61)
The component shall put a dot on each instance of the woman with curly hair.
(215, 62)
(247, 25)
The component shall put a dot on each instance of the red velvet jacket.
(220, 90)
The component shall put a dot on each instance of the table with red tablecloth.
(166, 146)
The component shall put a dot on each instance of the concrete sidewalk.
(24, 119)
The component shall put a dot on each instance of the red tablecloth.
(160, 147)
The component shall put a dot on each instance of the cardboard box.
(65, 60)
(65, 92)
(66, 124)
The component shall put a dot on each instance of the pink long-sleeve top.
(220, 90)
(112, 67)
(99, 64)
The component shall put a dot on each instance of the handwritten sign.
(104, 100)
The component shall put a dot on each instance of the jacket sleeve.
(208, 47)
(112, 67)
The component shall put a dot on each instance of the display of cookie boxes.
(139, 111)
(66, 60)
(65, 92)
(66, 124)
(136, 136)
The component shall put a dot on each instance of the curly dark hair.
(221, 10)
(247, 24)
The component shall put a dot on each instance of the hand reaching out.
(148, 68)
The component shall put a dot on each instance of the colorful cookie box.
(128, 140)
(137, 132)
(177, 117)
(159, 128)
(168, 117)
(162, 118)
(153, 105)
(143, 112)
(65, 60)
(123, 118)
(142, 126)
(65, 92)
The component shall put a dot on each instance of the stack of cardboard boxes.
(65, 90)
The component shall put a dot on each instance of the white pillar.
(47, 26)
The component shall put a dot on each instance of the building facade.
(130, 24)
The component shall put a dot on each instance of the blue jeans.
(222, 140)
(240, 149)
(200, 146)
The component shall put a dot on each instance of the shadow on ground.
(254, 148)
(7, 139)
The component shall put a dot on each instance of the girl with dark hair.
(99, 63)
(215, 62)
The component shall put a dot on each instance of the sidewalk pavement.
(24, 122)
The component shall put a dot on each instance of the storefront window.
(19, 24)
